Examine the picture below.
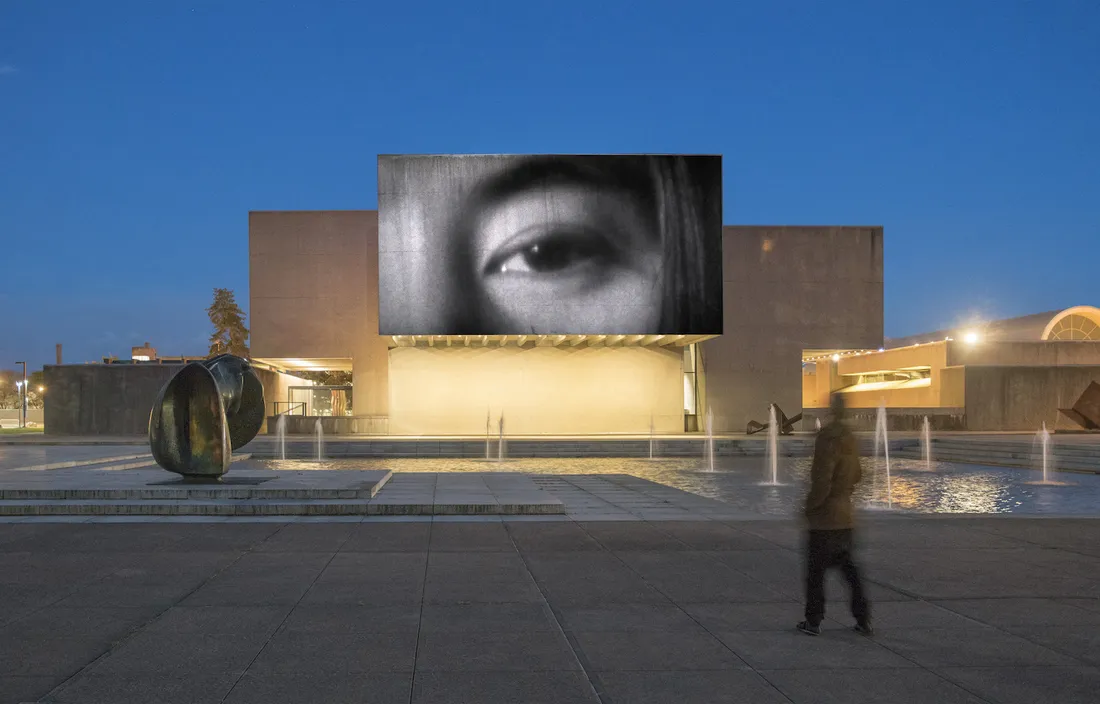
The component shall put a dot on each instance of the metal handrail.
(291, 407)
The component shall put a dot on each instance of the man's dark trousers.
(826, 549)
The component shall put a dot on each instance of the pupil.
(555, 255)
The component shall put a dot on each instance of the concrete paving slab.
(303, 537)
(495, 651)
(749, 616)
(686, 649)
(502, 688)
(690, 577)
(57, 656)
(1081, 642)
(790, 649)
(218, 620)
(179, 655)
(487, 617)
(305, 688)
(715, 687)
(1022, 612)
(197, 688)
(350, 618)
(968, 647)
(18, 689)
(628, 617)
(1027, 685)
(388, 537)
(110, 624)
(335, 654)
(867, 686)
(554, 537)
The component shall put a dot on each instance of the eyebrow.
(625, 173)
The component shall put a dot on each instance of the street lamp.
(23, 388)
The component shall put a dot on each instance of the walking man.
(835, 472)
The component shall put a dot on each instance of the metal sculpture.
(207, 410)
(785, 424)
(1086, 412)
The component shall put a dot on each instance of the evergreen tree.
(230, 335)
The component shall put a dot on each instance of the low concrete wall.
(331, 425)
(1023, 354)
(102, 399)
(897, 419)
(10, 417)
(116, 399)
(1023, 398)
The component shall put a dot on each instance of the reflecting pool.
(741, 482)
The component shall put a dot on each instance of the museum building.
(788, 292)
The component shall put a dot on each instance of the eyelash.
(590, 240)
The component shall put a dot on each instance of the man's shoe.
(809, 628)
(864, 628)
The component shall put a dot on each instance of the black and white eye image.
(554, 244)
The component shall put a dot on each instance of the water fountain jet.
(882, 440)
(710, 440)
(926, 444)
(773, 446)
(500, 440)
(488, 435)
(652, 433)
(280, 436)
(320, 440)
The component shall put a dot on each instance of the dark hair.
(676, 191)
(687, 218)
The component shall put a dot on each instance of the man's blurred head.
(837, 407)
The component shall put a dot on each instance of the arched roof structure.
(1080, 323)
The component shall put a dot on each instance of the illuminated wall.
(539, 390)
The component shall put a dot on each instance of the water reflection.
(948, 488)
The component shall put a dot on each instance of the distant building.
(1001, 375)
(143, 354)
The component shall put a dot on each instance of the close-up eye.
(556, 253)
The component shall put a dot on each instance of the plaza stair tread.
(275, 507)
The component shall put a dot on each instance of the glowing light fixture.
(836, 357)
(970, 338)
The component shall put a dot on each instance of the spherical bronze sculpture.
(207, 410)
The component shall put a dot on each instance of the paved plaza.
(539, 609)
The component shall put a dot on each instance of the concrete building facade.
(314, 306)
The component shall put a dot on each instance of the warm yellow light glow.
(836, 357)
(970, 338)
(41, 389)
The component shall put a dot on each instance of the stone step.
(1012, 452)
(185, 494)
(966, 457)
(141, 459)
(1056, 446)
(314, 507)
(678, 447)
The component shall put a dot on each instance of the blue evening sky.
(135, 135)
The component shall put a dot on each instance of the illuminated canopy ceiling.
(546, 340)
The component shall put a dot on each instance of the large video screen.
(550, 245)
